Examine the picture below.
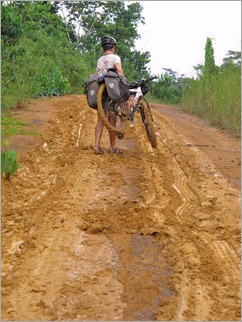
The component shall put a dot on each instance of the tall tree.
(232, 59)
(209, 67)
(115, 18)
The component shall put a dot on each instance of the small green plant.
(9, 163)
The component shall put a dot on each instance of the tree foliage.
(51, 47)
(232, 60)
(113, 18)
(44, 53)
(215, 94)
(37, 57)
(209, 67)
(169, 87)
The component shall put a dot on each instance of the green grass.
(154, 100)
(11, 126)
(217, 101)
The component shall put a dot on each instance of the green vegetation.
(169, 88)
(209, 67)
(12, 126)
(115, 18)
(50, 48)
(37, 58)
(44, 55)
(9, 163)
(215, 95)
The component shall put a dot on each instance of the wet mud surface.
(153, 234)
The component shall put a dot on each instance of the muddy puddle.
(113, 273)
(148, 273)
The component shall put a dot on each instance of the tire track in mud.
(224, 253)
(221, 250)
(107, 237)
(188, 202)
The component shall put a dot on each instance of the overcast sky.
(175, 32)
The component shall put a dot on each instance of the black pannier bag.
(117, 87)
(91, 89)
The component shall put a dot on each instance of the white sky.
(175, 32)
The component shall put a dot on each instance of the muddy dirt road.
(150, 235)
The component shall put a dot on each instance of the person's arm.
(119, 69)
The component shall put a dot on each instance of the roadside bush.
(37, 58)
(217, 99)
(168, 88)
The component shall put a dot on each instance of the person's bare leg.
(98, 131)
(112, 135)
(112, 138)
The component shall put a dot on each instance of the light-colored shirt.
(105, 62)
